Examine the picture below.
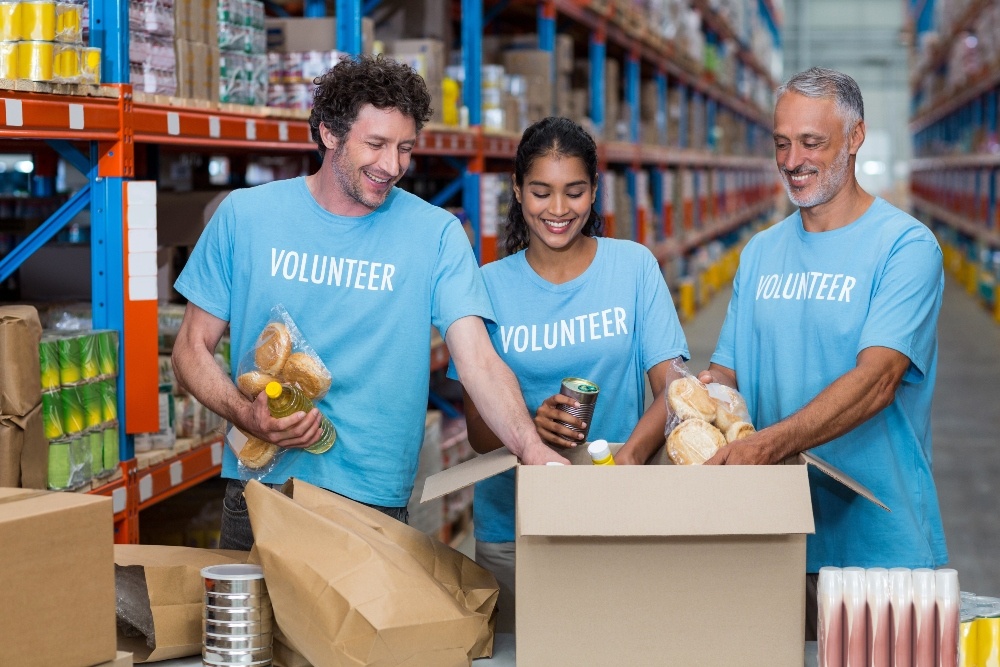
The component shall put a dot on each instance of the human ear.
(327, 137)
(517, 190)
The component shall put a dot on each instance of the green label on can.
(59, 468)
(52, 422)
(110, 436)
(89, 365)
(69, 360)
(48, 358)
(109, 401)
(72, 410)
(90, 396)
(107, 353)
(581, 385)
(96, 441)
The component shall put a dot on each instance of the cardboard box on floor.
(690, 565)
(57, 579)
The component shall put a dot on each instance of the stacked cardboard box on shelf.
(197, 49)
(152, 60)
(23, 454)
(427, 57)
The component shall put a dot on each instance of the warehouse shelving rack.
(955, 182)
(95, 129)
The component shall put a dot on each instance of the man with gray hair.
(831, 336)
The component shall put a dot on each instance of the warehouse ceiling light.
(25, 166)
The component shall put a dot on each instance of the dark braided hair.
(354, 82)
(550, 136)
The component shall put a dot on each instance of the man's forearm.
(495, 391)
(198, 372)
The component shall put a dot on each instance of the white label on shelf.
(283, 131)
(142, 264)
(216, 453)
(214, 127)
(118, 500)
(76, 117)
(145, 488)
(176, 473)
(142, 288)
(141, 193)
(251, 129)
(173, 123)
(142, 240)
(15, 117)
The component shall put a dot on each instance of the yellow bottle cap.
(273, 389)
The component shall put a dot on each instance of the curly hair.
(549, 136)
(355, 82)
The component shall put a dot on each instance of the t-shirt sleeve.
(207, 278)
(662, 335)
(458, 289)
(904, 309)
(725, 348)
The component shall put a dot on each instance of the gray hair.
(820, 82)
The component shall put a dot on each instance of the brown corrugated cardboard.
(57, 578)
(291, 35)
(24, 451)
(184, 68)
(123, 659)
(200, 75)
(21, 380)
(656, 564)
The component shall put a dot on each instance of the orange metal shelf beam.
(179, 473)
(41, 116)
(672, 248)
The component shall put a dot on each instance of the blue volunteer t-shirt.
(364, 291)
(610, 325)
(804, 306)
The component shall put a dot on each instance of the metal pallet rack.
(955, 179)
(96, 128)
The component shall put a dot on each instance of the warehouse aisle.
(966, 424)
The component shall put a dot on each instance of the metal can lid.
(581, 385)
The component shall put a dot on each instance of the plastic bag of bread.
(281, 353)
(702, 418)
(254, 457)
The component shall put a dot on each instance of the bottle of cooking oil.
(600, 453)
(283, 401)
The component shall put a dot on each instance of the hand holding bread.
(710, 418)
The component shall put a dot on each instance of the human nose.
(792, 158)
(559, 205)
(390, 163)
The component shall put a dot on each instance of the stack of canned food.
(42, 40)
(242, 57)
(291, 76)
(80, 405)
(237, 620)
(979, 633)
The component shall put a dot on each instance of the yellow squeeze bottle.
(600, 453)
(283, 401)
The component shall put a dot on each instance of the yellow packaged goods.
(8, 60)
(90, 65)
(68, 20)
(57, 576)
(38, 20)
(10, 21)
(35, 60)
(66, 69)
(283, 401)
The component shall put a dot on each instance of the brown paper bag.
(21, 377)
(161, 598)
(24, 451)
(344, 592)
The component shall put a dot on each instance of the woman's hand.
(547, 422)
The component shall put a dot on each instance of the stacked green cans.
(79, 372)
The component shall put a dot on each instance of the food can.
(74, 420)
(585, 393)
(90, 396)
(987, 631)
(81, 461)
(90, 64)
(10, 22)
(95, 440)
(968, 649)
(8, 60)
(89, 362)
(48, 361)
(69, 18)
(107, 353)
(69, 359)
(38, 20)
(59, 467)
(52, 421)
(108, 390)
(110, 438)
(66, 63)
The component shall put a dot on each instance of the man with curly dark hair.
(364, 269)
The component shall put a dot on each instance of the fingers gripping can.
(583, 392)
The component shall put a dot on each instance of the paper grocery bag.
(161, 597)
(351, 586)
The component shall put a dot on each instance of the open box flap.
(842, 477)
(663, 501)
(468, 473)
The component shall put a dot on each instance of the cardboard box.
(292, 35)
(24, 451)
(21, 378)
(656, 564)
(57, 579)
(123, 659)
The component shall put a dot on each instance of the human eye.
(374, 145)
(540, 195)
(574, 195)
(406, 148)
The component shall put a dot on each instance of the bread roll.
(729, 410)
(308, 374)
(693, 442)
(273, 348)
(689, 399)
(739, 430)
(253, 383)
(256, 453)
